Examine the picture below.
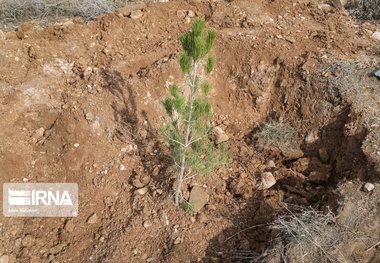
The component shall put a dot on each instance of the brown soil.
(101, 84)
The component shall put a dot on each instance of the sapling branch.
(188, 132)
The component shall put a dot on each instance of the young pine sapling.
(189, 131)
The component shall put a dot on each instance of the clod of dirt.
(69, 226)
(301, 165)
(292, 153)
(198, 198)
(318, 177)
(241, 186)
(93, 219)
(368, 187)
(27, 241)
(140, 181)
(267, 181)
(220, 135)
(323, 155)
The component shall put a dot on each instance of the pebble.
(368, 187)
(89, 116)
(376, 35)
(142, 191)
(149, 259)
(39, 133)
(190, 13)
(147, 224)
(92, 219)
(177, 241)
(121, 167)
(76, 145)
(270, 164)
(312, 137)
(267, 180)
(136, 14)
(127, 149)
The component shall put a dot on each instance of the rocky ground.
(81, 102)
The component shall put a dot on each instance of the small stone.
(270, 164)
(147, 224)
(39, 133)
(368, 187)
(136, 14)
(190, 14)
(376, 35)
(92, 219)
(311, 137)
(101, 239)
(198, 198)
(121, 167)
(377, 74)
(4, 259)
(89, 116)
(149, 260)
(76, 145)
(220, 135)
(142, 191)
(188, 20)
(323, 155)
(267, 181)
(127, 149)
(87, 73)
(326, 7)
(177, 241)
(290, 39)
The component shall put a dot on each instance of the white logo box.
(40, 199)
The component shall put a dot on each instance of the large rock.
(267, 181)
(220, 135)
(198, 198)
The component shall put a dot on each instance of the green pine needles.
(189, 129)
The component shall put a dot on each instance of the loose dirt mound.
(82, 103)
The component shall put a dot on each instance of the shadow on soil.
(250, 239)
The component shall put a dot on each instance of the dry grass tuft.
(304, 233)
(16, 11)
(276, 135)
